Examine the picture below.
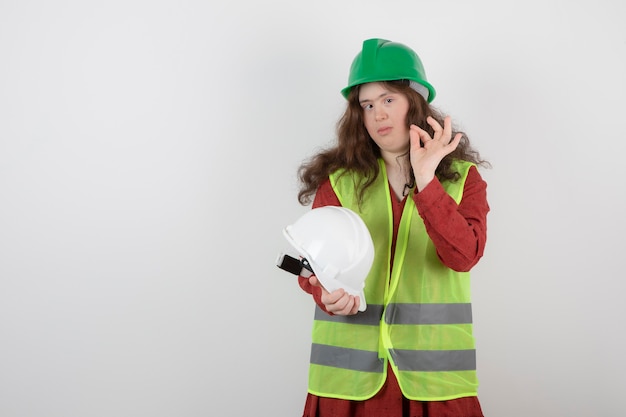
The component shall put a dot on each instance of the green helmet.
(383, 60)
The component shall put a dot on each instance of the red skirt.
(389, 402)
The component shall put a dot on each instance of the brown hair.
(355, 150)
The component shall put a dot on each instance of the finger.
(455, 142)
(419, 134)
(314, 281)
(355, 303)
(414, 136)
(450, 147)
(436, 127)
(350, 307)
(333, 297)
(447, 127)
(345, 305)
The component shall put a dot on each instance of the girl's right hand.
(427, 152)
(338, 302)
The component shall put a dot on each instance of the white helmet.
(338, 246)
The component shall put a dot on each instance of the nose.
(380, 113)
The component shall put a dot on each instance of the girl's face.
(384, 113)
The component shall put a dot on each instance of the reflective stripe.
(434, 360)
(369, 317)
(457, 313)
(353, 359)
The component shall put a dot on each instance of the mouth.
(383, 130)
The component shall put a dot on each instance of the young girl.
(414, 181)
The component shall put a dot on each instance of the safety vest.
(418, 317)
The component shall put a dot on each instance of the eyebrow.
(382, 95)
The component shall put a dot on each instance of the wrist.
(422, 181)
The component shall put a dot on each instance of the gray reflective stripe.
(434, 360)
(457, 313)
(354, 359)
(371, 316)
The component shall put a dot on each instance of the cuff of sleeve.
(316, 292)
(429, 195)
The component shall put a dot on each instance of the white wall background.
(148, 152)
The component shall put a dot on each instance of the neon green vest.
(418, 318)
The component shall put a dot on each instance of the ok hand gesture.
(427, 152)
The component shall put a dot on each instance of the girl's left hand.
(427, 152)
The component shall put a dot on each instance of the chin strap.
(295, 266)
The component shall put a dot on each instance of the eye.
(367, 107)
(388, 100)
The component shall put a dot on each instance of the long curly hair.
(356, 151)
